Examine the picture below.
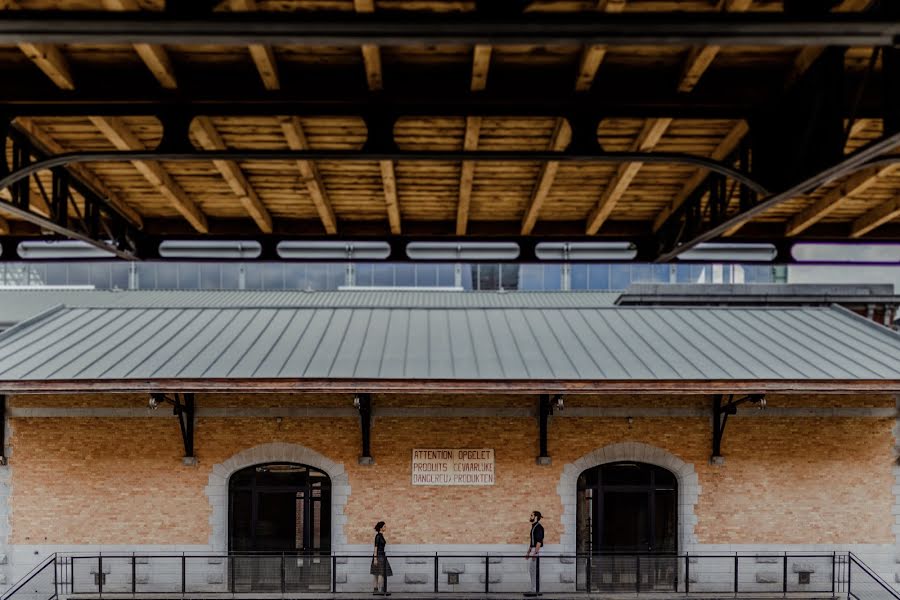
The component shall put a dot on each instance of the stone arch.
(688, 486)
(217, 488)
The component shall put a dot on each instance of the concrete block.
(803, 567)
(495, 578)
(366, 460)
(342, 560)
(142, 578)
(189, 461)
(4, 559)
(215, 560)
(768, 559)
(212, 578)
(567, 577)
(544, 461)
(448, 568)
(415, 578)
(340, 578)
(768, 577)
(495, 560)
(566, 560)
(418, 560)
(142, 560)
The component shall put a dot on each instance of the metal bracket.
(183, 408)
(721, 411)
(546, 403)
(363, 403)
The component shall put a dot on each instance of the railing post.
(230, 559)
(100, 574)
(282, 573)
(55, 580)
(849, 570)
(637, 573)
(833, 558)
(487, 573)
(687, 574)
(735, 573)
(784, 576)
(133, 574)
(589, 569)
(537, 573)
(334, 574)
(435, 573)
(183, 574)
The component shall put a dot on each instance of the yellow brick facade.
(786, 480)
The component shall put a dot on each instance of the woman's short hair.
(379, 525)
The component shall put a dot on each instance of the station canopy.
(372, 342)
(663, 124)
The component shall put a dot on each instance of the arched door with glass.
(626, 523)
(279, 531)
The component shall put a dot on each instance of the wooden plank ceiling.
(396, 197)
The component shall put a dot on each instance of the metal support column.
(2, 429)
(363, 403)
(721, 411)
(545, 409)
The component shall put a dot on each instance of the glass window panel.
(57, 274)
(337, 275)
(552, 277)
(253, 276)
(426, 275)
(100, 275)
(383, 275)
(79, 274)
(598, 277)
(118, 275)
(188, 276)
(661, 273)
(405, 275)
(146, 273)
(364, 274)
(272, 276)
(166, 276)
(625, 474)
(620, 277)
(579, 277)
(210, 276)
(230, 274)
(445, 275)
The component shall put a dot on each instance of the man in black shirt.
(536, 542)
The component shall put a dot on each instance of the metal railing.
(289, 574)
(39, 584)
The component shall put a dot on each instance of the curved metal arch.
(70, 158)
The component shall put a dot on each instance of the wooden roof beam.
(701, 57)
(375, 78)
(650, 135)
(80, 171)
(725, 147)
(155, 57)
(210, 139)
(118, 133)
(592, 56)
(481, 62)
(876, 217)
(49, 59)
(262, 55)
(562, 135)
(296, 139)
(856, 184)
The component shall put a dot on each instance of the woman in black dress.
(380, 565)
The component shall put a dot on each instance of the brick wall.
(786, 480)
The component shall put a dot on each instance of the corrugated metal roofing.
(556, 343)
(18, 305)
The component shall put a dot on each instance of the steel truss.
(721, 411)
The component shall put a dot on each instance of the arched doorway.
(627, 523)
(279, 517)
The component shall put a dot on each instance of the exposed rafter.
(876, 217)
(481, 62)
(210, 139)
(52, 62)
(725, 147)
(592, 56)
(701, 57)
(649, 136)
(118, 133)
(296, 139)
(389, 182)
(155, 57)
(262, 55)
(808, 55)
(562, 135)
(370, 52)
(856, 184)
